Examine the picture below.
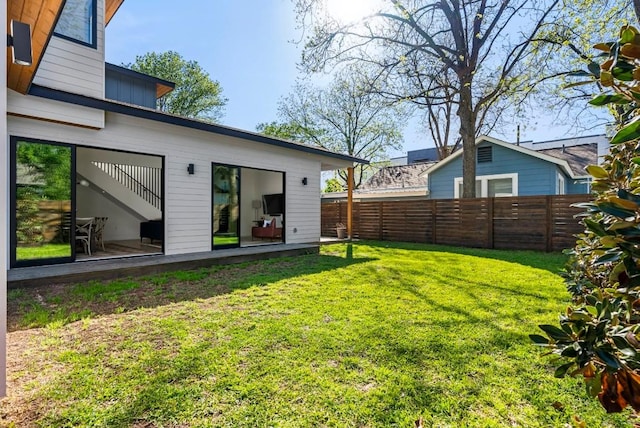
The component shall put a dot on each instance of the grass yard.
(368, 335)
(43, 251)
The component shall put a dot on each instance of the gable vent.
(485, 154)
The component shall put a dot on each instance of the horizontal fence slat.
(545, 223)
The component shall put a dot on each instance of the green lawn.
(369, 335)
(44, 251)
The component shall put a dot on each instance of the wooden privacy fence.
(543, 223)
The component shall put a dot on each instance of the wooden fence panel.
(520, 222)
(565, 225)
(544, 223)
(369, 220)
(405, 221)
(462, 222)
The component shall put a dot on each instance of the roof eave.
(158, 116)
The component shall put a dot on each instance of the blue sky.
(247, 45)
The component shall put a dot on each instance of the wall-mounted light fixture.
(304, 181)
(20, 42)
(83, 183)
(191, 168)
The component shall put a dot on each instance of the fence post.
(434, 221)
(549, 224)
(490, 222)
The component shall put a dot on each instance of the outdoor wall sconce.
(304, 181)
(20, 41)
(191, 168)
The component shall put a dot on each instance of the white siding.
(72, 67)
(188, 197)
(57, 111)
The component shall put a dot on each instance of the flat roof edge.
(158, 116)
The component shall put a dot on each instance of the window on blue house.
(78, 22)
(492, 186)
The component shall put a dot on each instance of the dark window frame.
(94, 28)
(13, 239)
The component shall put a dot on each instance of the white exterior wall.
(25, 105)
(188, 197)
(73, 67)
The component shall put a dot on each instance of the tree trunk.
(636, 7)
(468, 135)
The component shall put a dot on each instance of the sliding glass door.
(42, 185)
(226, 206)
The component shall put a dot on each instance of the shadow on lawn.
(64, 303)
(552, 262)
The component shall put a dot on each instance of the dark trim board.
(163, 87)
(158, 116)
(102, 270)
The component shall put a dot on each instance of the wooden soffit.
(42, 16)
(110, 9)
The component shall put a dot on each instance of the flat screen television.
(273, 204)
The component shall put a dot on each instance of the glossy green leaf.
(554, 332)
(594, 385)
(562, 370)
(615, 210)
(628, 133)
(597, 171)
(608, 359)
(604, 99)
(538, 339)
(608, 258)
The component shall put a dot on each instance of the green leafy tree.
(480, 48)
(599, 335)
(333, 185)
(51, 164)
(285, 131)
(344, 117)
(196, 95)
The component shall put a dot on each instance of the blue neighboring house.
(505, 169)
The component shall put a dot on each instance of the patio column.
(349, 202)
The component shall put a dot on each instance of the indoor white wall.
(121, 224)
(255, 183)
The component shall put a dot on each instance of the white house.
(86, 145)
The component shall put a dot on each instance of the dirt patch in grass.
(63, 303)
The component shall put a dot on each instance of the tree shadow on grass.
(552, 262)
(64, 303)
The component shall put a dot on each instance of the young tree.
(482, 44)
(345, 118)
(196, 95)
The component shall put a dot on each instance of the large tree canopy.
(344, 117)
(196, 95)
(479, 49)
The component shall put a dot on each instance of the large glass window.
(491, 186)
(226, 206)
(42, 202)
(78, 22)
